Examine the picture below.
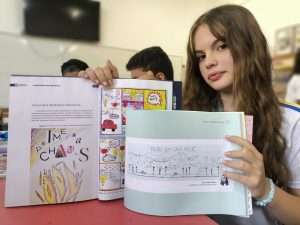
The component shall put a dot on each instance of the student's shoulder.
(290, 108)
(294, 81)
(291, 119)
(296, 78)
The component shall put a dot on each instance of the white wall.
(136, 24)
(131, 24)
(126, 26)
(11, 20)
(37, 56)
(272, 15)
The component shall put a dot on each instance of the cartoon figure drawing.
(224, 181)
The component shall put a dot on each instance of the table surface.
(91, 212)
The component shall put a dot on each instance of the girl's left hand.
(250, 165)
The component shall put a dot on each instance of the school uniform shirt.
(293, 89)
(291, 131)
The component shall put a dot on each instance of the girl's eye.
(221, 47)
(200, 57)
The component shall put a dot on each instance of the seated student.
(293, 85)
(229, 69)
(72, 67)
(148, 64)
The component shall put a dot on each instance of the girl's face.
(215, 60)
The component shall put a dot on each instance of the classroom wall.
(272, 15)
(126, 26)
(37, 56)
(135, 24)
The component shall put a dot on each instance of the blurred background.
(37, 36)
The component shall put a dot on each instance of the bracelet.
(265, 200)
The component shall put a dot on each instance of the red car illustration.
(108, 124)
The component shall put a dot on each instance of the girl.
(229, 69)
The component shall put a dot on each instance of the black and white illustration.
(191, 163)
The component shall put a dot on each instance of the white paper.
(52, 141)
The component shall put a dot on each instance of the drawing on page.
(112, 150)
(155, 99)
(110, 176)
(111, 120)
(58, 157)
(188, 161)
(58, 184)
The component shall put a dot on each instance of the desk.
(91, 212)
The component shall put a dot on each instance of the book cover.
(174, 168)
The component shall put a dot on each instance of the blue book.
(3, 152)
(174, 163)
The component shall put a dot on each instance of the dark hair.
(252, 83)
(154, 59)
(73, 65)
(296, 67)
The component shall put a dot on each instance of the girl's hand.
(250, 165)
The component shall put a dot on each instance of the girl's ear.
(160, 76)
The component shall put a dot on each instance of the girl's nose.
(210, 61)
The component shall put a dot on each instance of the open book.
(173, 163)
(66, 137)
(67, 144)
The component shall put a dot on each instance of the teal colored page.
(173, 163)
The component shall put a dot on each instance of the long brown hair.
(252, 84)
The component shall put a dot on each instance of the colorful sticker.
(154, 99)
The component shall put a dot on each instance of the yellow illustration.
(155, 99)
(114, 151)
(49, 192)
(58, 184)
(103, 179)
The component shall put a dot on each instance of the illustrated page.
(127, 94)
(53, 141)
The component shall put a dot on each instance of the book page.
(174, 163)
(52, 148)
(126, 94)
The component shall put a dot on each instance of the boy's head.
(150, 64)
(72, 67)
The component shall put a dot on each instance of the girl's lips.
(215, 76)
